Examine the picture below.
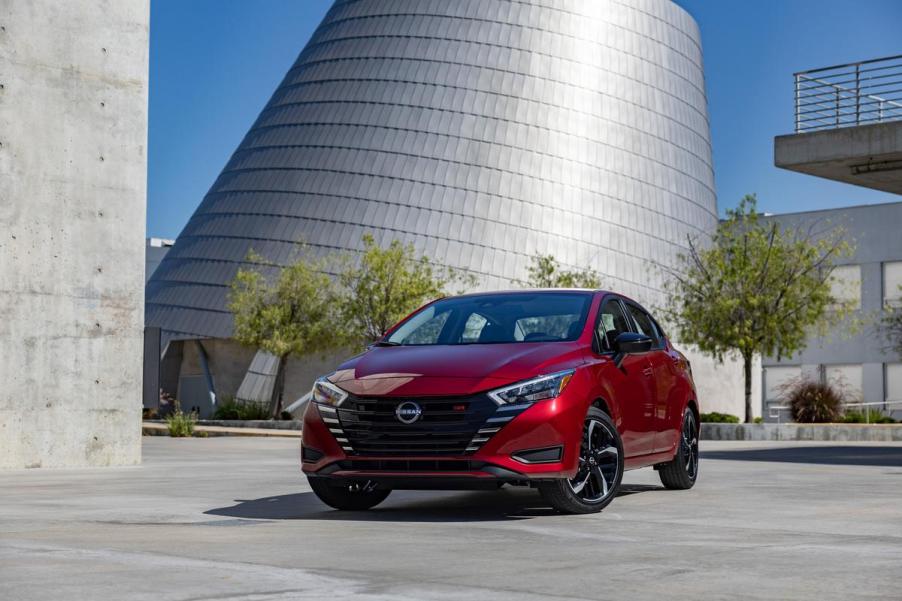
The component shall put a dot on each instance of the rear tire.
(682, 472)
(349, 497)
(600, 469)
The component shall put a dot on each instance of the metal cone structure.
(482, 131)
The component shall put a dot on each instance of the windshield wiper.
(386, 343)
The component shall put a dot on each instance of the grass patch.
(180, 424)
(231, 408)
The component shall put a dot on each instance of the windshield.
(497, 318)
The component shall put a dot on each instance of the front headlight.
(538, 389)
(327, 393)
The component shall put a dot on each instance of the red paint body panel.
(645, 396)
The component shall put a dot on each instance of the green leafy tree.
(545, 272)
(385, 286)
(285, 312)
(758, 288)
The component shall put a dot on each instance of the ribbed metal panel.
(482, 131)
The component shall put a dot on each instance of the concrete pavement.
(231, 518)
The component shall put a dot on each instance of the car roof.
(528, 291)
(593, 291)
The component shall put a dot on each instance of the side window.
(611, 323)
(644, 324)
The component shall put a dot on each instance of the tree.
(385, 286)
(284, 312)
(545, 272)
(757, 288)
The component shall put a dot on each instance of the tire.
(601, 468)
(682, 472)
(349, 497)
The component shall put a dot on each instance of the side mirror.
(628, 343)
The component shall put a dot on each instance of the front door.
(665, 402)
(632, 383)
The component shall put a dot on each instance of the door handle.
(647, 372)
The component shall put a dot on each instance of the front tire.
(349, 497)
(600, 469)
(682, 472)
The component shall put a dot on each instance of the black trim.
(411, 465)
(543, 455)
(311, 455)
(485, 477)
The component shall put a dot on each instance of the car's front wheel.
(356, 496)
(600, 469)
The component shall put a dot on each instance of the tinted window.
(612, 321)
(497, 318)
(644, 323)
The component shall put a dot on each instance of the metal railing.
(849, 95)
(774, 410)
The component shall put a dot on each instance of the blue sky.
(215, 63)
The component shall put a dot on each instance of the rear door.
(664, 379)
(632, 382)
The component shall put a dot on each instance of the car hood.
(451, 369)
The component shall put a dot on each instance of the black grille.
(447, 426)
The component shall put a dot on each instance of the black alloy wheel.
(600, 470)
(682, 472)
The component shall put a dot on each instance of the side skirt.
(634, 463)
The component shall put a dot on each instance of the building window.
(845, 285)
(894, 385)
(846, 378)
(776, 378)
(892, 283)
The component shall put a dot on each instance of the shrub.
(231, 408)
(718, 418)
(759, 420)
(873, 416)
(180, 424)
(814, 403)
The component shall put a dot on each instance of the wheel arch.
(692, 405)
(608, 408)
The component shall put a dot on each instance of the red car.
(560, 390)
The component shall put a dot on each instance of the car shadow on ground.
(409, 506)
(825, 455)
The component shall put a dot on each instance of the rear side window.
(644, 323)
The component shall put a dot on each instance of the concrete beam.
(867, 155)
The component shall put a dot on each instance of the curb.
(813, 432)
(159, 429)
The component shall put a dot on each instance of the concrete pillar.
(73, 167)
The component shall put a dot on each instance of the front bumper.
(540, 442)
